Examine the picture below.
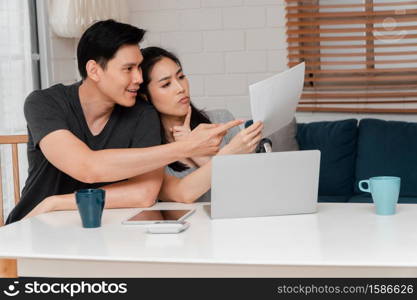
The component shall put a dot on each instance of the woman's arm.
(139, 191)
(195, 184)
(200, 161)
(187, 189)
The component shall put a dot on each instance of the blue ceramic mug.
(385, 191)
(90, 204)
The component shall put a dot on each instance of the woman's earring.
(144, 97)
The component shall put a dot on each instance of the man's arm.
(73, 157)
(139, 191)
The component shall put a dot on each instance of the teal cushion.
(388, 148)
(336, 141)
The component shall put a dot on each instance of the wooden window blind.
(360, 55)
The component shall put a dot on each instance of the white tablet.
(151, 216)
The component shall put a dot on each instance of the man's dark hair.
(101, 41)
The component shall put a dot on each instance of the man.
(95, 134)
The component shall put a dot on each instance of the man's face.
(121, 78)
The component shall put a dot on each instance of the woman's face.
(169, 88)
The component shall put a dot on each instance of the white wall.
(63, 60)
(224, 46)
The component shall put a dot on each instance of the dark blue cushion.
(366, 198)
(408, 200)
(361, 198)
(337, 142)
(388, 148)
(334, 199)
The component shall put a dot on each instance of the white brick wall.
(156, 21)
(220, 3)
(203, 63)
(246, 62)
(200, 19)
(266, 39)
(183, 41)
(244, 17)
(224, 40)
(226, 85)
(223, 44)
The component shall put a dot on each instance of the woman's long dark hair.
(152, 55)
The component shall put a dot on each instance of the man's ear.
(92, 68)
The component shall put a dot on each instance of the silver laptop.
(265, 184)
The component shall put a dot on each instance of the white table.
(341, 240)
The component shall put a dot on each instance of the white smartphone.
(167, 227)
(152, 216)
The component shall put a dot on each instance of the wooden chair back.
(8, 267)
(13, 141)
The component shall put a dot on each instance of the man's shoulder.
(55, 93)
(144, 105)
(142, 108)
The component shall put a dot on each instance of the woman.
(166, 87)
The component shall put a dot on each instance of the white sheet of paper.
(274, 100)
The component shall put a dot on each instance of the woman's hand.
(245, 141)
(180, 132)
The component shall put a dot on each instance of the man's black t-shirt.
(59, 107)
